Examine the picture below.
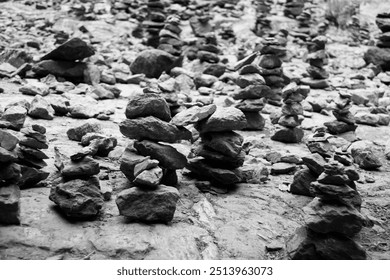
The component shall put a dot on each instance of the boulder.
(148, 104)
(72, 50)
(78, 198)
(155, 206)
(153, 63)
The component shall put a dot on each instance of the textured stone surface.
(138, 205)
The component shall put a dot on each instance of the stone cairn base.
(149, 165)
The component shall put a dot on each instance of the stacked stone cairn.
(155, 22)
(10, 173)
(227, 32)
(170, 36)
(292, 114)
(360, 33)
(219, 153)
(383, 23)
(345, 121)
(149, 165)
(263, 23)
(293, 8)
(76, 192)
(271, 68)
(317, 59)
(253, 95)
(31, 158)
(208, 49)
(332, 219)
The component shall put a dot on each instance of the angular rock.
(139, 205)
(72, 50)
(167, 156)
(148, 104)
(76, 133)
(151, 128)
(78, 198)
(152, 63)
(41, 109)
(149, 179)
(193, 115)
(82, 169)
(224, 119)
(301, 182)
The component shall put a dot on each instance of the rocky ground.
(250, 221)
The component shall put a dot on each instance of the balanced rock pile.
(170, 36)
(66, 61)
(208, 49)
(293, 8)
(380, 55)
(77, 191)
(292, 114)
(10, 173)
(272, 70)
(253, 95)
(332, 219)
(31, 158)
(219, 153)
(345, 121)
(149, 165)
(383, 23)
(155, 22)
(263, 23)
(317, 60)
(303, 30)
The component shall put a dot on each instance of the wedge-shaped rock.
(193, 115)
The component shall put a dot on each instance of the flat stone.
(193, 115)
(254, 92)
(156, 206)
(246, 80)
(216, 175)
(82, 169)
(167, 156)
(151, 128)
(282, 168)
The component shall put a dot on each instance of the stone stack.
(208, 49)
(263, 23)
(155, 22)
(345, 121)
(10, 173)
(219, 152)
(77, 191)
(317, 59)
(31, 158)
(292, 114)
(149, 165)
(360, 33)
(332, 219)
(271, 68)
(253, 95)
(170, 36)
(227, 32)
(303, 30)
(293, 8)
(383, 23)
